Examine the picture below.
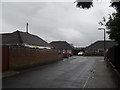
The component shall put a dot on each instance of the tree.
(84, 4)
(116, 5)
(113, 24)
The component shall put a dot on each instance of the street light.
(104, 40)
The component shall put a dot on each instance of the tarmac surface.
(74, 72)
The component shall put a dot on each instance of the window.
(100, 50)
(69, 51)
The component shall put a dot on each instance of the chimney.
(27, 27)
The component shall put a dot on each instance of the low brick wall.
(21, 57)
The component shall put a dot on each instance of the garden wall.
(21, 57)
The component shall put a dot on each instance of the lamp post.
(104, 40)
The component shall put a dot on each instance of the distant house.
(63, 47)
(98, 47)
(25, 39)
(78, 49)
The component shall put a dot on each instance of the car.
(66, 55)
(80, 53)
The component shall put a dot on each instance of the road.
(67, 73)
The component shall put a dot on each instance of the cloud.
(69, 33)
(56, 20)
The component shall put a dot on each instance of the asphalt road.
(68, 73)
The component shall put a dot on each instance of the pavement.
(75, 72)
(9, 73)
(103, 76)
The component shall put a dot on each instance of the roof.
(19, 37)
(60, 45)
(100, 45)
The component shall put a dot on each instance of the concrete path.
(102, 77)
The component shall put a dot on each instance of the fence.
(21, 57)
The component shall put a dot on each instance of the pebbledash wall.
(21, 57)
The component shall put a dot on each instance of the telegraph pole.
(104, 41)
(104, 44)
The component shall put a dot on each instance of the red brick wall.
(0, 58)
(20, 57)
(5, 58)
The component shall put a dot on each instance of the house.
(78, 49)
(22, 50)
(63, 47)
(98, 47)
(24, 39)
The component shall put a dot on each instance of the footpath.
(104, 76)
(9, 73)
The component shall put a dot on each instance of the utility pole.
(104, 44)
(104, 40)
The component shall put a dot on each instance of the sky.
(57, 21)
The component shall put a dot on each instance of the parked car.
(66, 55)
(80, 53)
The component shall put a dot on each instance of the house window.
(96, 51)
(59, 51)
(100, 50)
(69, 51)
(64, 51)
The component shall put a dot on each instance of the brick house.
(63, 47)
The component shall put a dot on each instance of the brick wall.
(5, 58)
(21, 57)
(0, 59)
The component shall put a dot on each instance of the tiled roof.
(100, 45)
(19, 37)
(60, 45)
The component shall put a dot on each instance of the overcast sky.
(53, 21)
